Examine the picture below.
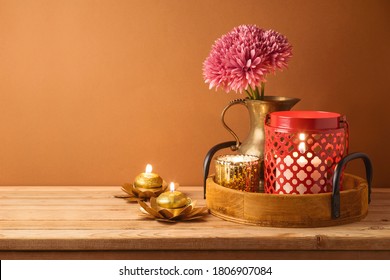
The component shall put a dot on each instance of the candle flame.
(148, 168)
(172, 186)
(302, 145)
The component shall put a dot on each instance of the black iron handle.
(209, 156)
(336, 179)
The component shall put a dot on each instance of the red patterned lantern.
(301, 151)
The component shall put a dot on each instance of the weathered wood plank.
(186, 240)
(145, 223)
(196, 255)
(91, 219)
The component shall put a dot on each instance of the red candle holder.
(301, 151)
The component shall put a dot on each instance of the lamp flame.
(148, 168)
(172, 186)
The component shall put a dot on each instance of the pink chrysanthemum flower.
(242, 58)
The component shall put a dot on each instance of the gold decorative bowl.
(186, 213)
(136, 194)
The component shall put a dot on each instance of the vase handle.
(231, 103)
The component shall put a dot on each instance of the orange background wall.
(92, 91)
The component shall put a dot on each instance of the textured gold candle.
(148, 180)
(172, 199)
(239, 172)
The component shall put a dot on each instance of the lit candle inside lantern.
(147, 179)
(302, 162)
(302, 149)
(301, 188)
(172, 199)
(302, 145)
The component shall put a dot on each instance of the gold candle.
(239, 172)
(147, 179)
(172, 199)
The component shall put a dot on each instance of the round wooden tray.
(278, 210)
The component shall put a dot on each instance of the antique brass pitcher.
(254, 143)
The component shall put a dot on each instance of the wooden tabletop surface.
(91, 223)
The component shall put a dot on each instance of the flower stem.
(257, 93)
(249, 94)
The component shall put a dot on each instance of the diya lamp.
(147, 179)
(146, 185)
(172, 206)
(173, 199)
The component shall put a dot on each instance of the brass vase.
(258, 110)
(254, 142)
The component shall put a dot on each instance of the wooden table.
(90, 223)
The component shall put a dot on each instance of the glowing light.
(172, 186)
(148, 168)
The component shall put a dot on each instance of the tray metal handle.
(209, 156)
(336, 179)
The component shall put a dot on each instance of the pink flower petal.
(244, 56)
